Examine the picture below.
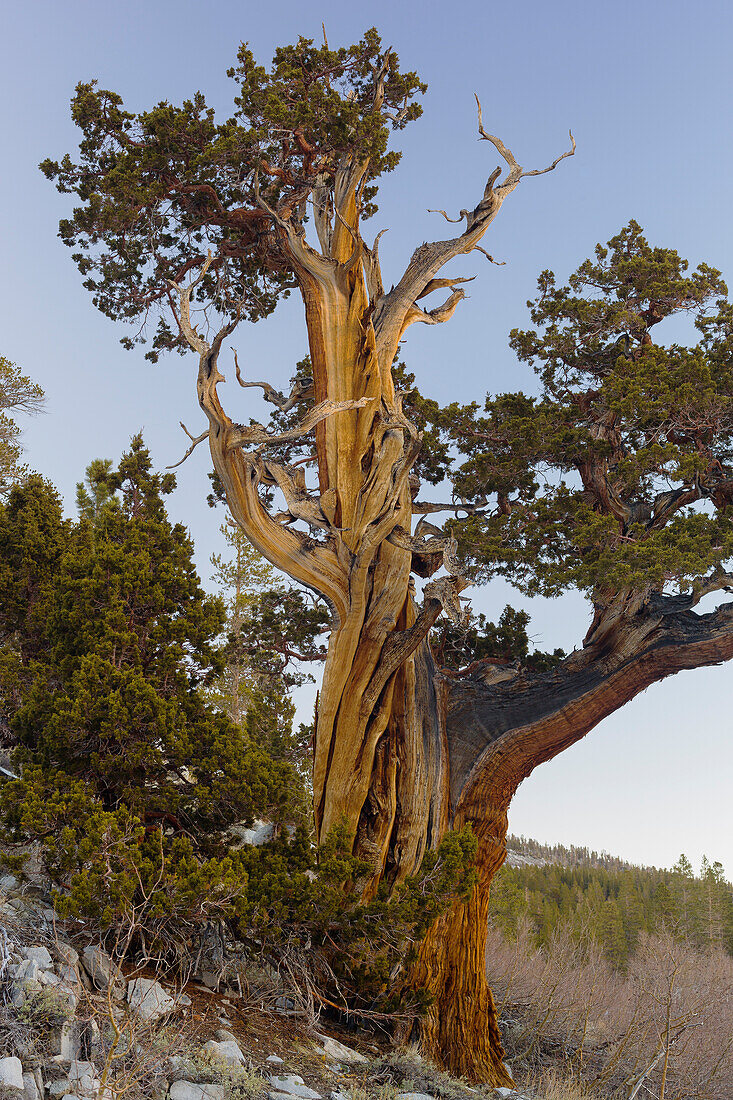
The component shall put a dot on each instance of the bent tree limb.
(497, 734)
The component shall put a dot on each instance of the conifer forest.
(347, 861)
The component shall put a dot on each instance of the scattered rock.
(8, 883)
(64, 1042)
(224, 1035)
(148, 999)
(83, 1078)
(67, 954)
(260, 833)
(274, 1060)
(31, 1090)
(227, 1051)
(25, 971)
(68, 966)
(414, 1096)
(208, 978)
(99, 966)
(188, 1090)
(339, 1052)
(292, 1085)
(178, 1066)
(11, 1073)
(59, 1088)
(47, 977)
(40, 955)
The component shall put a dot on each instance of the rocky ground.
(75, 1026)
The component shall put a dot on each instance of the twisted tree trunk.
(404, 752)
(497, 733)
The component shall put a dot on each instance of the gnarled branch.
(255, 435)
(395, 310)
(511, 160)
(196, 440)
(302, 389)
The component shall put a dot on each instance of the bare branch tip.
(196, 440)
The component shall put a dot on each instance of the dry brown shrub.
(663, 1028)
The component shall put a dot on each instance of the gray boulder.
(31, 1091)
(189, 1090)
(227, 1050)
(339, 1052)
(223, 1035)
(40, 955)
(99, 966)
(67, 954)
(11, 1076)
(25, 971)
(57, 1089)
(148, 1000)
(292, 1085)
(83, 1078)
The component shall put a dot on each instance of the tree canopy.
(162, 188)
(617, 476)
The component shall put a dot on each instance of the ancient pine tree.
(203, 225)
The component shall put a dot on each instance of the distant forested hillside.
(610, 901)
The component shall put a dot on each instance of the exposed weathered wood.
(381, 759)
(496, 735)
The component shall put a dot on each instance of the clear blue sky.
(647, 90)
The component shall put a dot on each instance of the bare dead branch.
(301, 391)
(446, 590)
(196, 440)
(192, 337)
(463, 214)
(514, 167)
(373, 270)
(498, 144)
(435, 316)
(439, 543)
(478, 248)
(568, 153)
(380, 80)
(442, 284)
(255, 434)
(424, 508)
(300, 503)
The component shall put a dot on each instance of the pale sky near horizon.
(646, 88)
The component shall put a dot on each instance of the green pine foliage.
(161, 186)
(128, 779)
(273, 635)
(616, 475)
(613, 902)
(507, 641)
(305, 905)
